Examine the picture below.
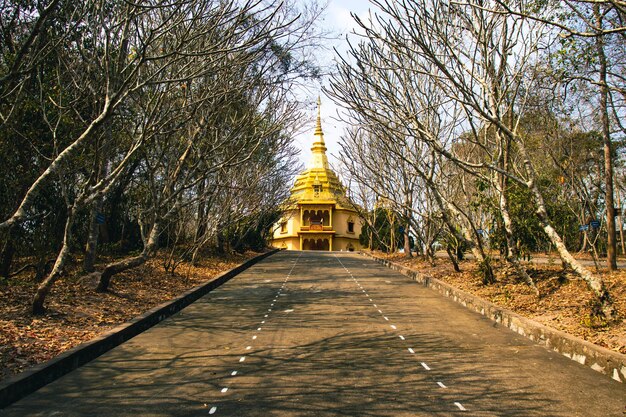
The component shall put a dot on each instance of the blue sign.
(595, 224)
(100, 218)
(583, 227)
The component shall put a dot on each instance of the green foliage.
(527, 230)
(253, 233)
(385, 228)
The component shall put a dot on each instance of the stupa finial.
(318, 124)
(318, 150)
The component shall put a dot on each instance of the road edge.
(598, 358)
(32, 379)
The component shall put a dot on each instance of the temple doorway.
(316, 244)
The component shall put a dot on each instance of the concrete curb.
(612, 364)
(36, 377)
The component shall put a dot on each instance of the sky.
(337, 19)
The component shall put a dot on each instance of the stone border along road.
(598, 358)
(297, 335)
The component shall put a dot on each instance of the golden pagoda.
(318, 215)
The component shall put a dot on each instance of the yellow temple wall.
(289, 243)
(293, 225)
(340, 223)
(341, 241)
(343, 244)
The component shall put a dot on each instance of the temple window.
(317, 189)
(350, 226)
(283, 227)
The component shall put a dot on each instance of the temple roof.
(318, 175)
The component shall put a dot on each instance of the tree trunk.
(149, 250)
(595, 283)
(8, 251)
(407, 242)
(196, 254)
(392, 232)
(201, 214)
(620, 223)
(453, 259)
(92, 240)
(583, 246)
(611, 252)
(91, 248)
(46, 285)
(512, 255)
(472, 240)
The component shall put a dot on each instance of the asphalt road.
(327, 334)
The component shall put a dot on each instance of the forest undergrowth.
(76, 313)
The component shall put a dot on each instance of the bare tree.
(479, 61)
(194, 86)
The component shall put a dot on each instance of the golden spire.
(319, 159)
(318, 124)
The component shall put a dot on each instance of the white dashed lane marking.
(424, 365)
(213, 409)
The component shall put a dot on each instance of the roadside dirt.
(76, 313)
(565, 302)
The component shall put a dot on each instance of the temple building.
(318, 215)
